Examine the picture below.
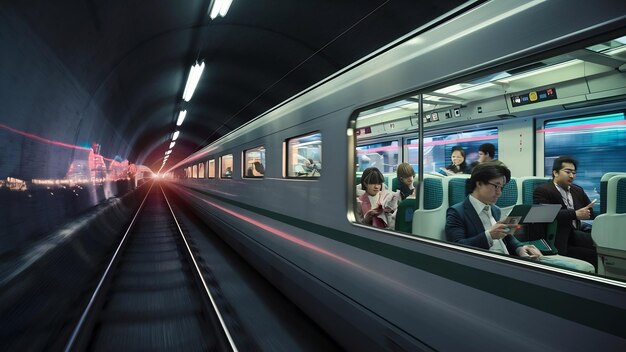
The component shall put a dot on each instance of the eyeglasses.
(569, 171)
(496, 186)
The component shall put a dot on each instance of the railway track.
(152, 296)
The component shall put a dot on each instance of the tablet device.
(532, 214)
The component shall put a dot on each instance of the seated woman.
(376, 206)
(458, 166)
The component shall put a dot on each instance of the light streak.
(48, 141)
(582, 127)
(41, 139)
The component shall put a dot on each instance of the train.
(537, 79)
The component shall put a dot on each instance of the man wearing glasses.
(474, 222)
(570, 240)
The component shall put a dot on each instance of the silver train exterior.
(380, 290)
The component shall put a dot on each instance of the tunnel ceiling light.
(181, 117)
(192, 80)
(172, 145)
(175, 135)
(220, 7)
(168, 152)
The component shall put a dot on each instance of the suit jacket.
(547, 193)
(464, 226)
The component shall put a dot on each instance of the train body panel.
(382, 289)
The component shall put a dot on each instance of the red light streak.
(582, 127)
(370, 273)
(277, 232)
(429, 144)
(41, 139)
(457, 140)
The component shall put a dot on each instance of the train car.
(537, 79)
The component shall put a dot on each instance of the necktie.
(485, 217)
(488, 221)
(569, 201)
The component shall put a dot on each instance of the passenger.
(486, 153)
(473, 221)
(376, 206)
(405, 174)
(459, 165)
(255, 170)
(228, 172)
(572, 239)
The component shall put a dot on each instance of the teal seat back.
(457, 190)
(509, 195)
(604, 181)
(528, 188)
(404, 215)
(433, 193)
(620, 205)
(394, 184)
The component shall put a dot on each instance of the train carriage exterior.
(376, 289)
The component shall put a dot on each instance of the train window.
(597, 142)
(530, 114)
(411, 150)
(438, 149)
(211, 168)
(194, 171)
(201, 170)
(226, 166)
(254, 162)
(304, 156)
(382, 155)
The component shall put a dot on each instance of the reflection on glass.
(226, 166)
(305, 156)
(254, 161)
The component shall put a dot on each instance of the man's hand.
(529, 251)
(584, 213)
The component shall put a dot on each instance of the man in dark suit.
(473, 222)
(575, 206)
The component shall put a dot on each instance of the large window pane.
(304, 155)
(254, 162)
(383, 155)
(226, 166)
(211, 173)
(597, 142)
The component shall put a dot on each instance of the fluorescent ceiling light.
(168, 152)
(175, 135)
(192, 80)
(220, 7)
(181, 117)
(172, 145)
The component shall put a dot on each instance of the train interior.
(569, 104)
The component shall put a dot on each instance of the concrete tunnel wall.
(45, 113)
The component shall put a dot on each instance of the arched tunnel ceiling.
(133, 57)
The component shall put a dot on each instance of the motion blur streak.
(41, 139)
(584, 127)
(431, 301)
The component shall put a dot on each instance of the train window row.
(524, 118)
(303, 159)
